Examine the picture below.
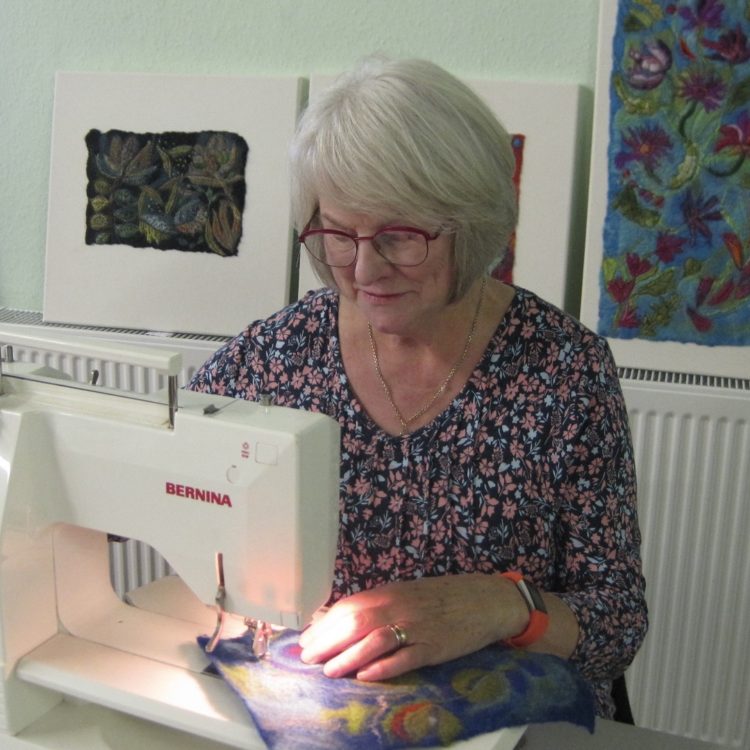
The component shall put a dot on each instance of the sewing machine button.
(265, 453)
(233, 474)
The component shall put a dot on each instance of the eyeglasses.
(399, 245)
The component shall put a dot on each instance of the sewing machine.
(240, 498)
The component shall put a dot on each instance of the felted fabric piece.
(296, 707)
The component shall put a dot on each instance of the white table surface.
(608, 735)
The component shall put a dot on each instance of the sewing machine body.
(258, 484)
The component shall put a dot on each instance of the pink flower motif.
(528, 330)
(707, 14)
(743, 286)
(637, 265)
(701, 322)
(703, 87)
(620, 289)
(702, 290)
(361, 486)
(486, 468)
(506, 483)
(509, 509)
(629, 318)
(735, 136)
(668, 246)
(385, 562)
(731, 47)
(724, 293)
(647, 145)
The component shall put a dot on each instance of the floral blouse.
(529, 468)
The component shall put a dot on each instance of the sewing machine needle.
(219, 599)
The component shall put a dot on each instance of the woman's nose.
(370, 264)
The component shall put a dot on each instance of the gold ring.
(400, 633)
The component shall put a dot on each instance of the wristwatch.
(538, 617)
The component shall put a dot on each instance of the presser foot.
(262, 632)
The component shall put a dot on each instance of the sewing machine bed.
(199, 710)
(140, 693)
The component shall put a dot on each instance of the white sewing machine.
(229, 492)
(240, 498)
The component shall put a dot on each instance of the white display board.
(152, 288)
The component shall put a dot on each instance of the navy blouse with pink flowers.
(529, 468)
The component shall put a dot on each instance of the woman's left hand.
(442, 618)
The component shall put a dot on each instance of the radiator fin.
(133, 564)
(33, 318)
(641, 375)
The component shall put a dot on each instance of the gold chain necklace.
(439, 392)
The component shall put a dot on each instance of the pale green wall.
(553, 40)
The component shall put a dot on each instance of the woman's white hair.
(407, 140)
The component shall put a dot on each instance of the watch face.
(531, 594)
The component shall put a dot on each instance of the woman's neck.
(418, 370)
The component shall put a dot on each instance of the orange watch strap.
(538, 617)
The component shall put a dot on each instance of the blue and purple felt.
(296, 707)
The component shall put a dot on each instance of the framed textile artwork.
(667, 272)
(546, 161)
(169, 201)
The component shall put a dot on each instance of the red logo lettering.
(196, 493)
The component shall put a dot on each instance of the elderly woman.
(487, 480)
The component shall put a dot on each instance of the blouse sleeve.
(598, 534)
(264, 358)
(233, 370)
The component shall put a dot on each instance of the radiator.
(691, 436)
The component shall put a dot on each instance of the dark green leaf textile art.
(172, 191)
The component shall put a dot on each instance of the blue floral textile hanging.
(676, 262)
